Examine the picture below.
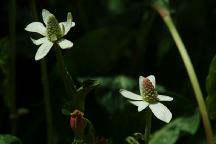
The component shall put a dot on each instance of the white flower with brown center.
(149, 98)
(53, 33)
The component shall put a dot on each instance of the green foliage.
(115, 6)
(89, 133)
(131, 140)
(135, 139)
(118, 82)
(111, 95)
(78, 141)
(98, 50)
(161, 3)
(9, 139)
(88, 137)
(171, 132)
(211, 89)
(77, 101)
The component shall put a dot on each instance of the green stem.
(190, 70)
(47, 100)
(148, 125)
(45, 83)
(67, 79)
(11, 87)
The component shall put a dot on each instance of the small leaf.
(211, 89)
(79, 96)
(131, 140)
(83, 91)
(135, 139)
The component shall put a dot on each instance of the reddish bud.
(77, 122)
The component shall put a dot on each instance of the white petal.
(46, 14)
(141, 104)
(141, 78)
(130, 95)
(43, 50)
(65, 27)
(164, 98)
(73, 24)
(39, 41)
(152, 79)
(37, 27)
(64, 44)
(68, 24)
(62, 26)
(161, 112)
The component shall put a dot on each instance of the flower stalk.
(150, 100)
(165, 14)
(47, 100)
(11, 86)
(52, 35)
(65, 75)
(45, 84)
(148, 125)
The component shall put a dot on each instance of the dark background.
(115, 41)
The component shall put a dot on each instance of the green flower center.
(149, 93)
(53, 29)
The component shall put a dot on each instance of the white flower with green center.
(53, 33)
(149, 98)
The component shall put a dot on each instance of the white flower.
(149, 97)
(53, 33)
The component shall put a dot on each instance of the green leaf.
(211, 89)
(171, 132)
(165, 136)
(9, 139)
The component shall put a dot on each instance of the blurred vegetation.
(115, 41)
